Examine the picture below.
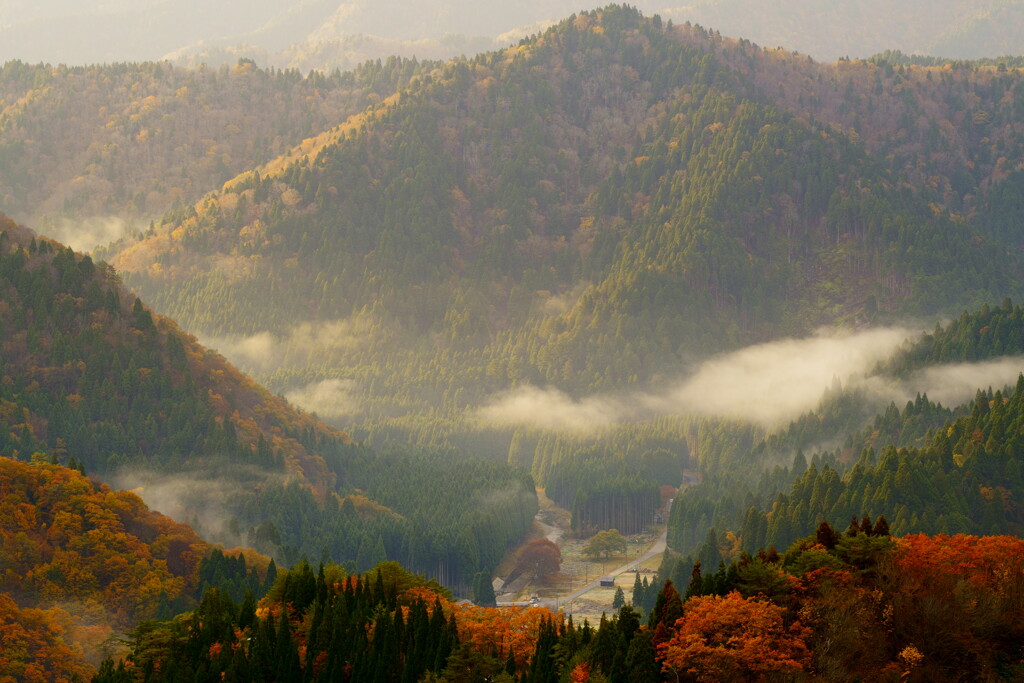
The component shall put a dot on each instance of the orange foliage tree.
(66, 538)
(955, 600)
(494, 631)
(731, 637)
(32, 649)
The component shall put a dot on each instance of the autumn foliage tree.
(959, 600)
(66, 538)
(32, 648)
(605, 544)
(541, 557)
(733, 638)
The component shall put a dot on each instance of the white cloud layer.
(331, 398)
(768, 384)
(266, 352)
(952, 385)
(772, 383)
(86, 234)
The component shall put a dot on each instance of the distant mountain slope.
(88, 153)
(70, 33)
(595, 207)
(963, 29)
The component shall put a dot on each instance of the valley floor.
(576, 589)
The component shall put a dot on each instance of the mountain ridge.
(836, 231)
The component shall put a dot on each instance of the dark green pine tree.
(696, 586)
(261, 657)
(448, 641)
(667, 608)
(620, 598)
(238, 670)
(543, 668)
(415, 643)
(510, 664)
(602, 653)
(268, 582)
(384, 649)
(247, 611)
(483, 590)
(163, 608)
(319, 632)
(628, 623)
(287, 668)
(640, 659)
(638, 593)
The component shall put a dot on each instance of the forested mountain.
(82, 562)
(93, 378)
(89, 152)
(926, 467)
(592, 209)
(502, 271)
(91, 372)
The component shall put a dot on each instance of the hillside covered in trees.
(928, 468)
(88, 153)
(83, 562)
(93, 379)
(495, 275)
(593, 209)
(80, 563)
(835, 606)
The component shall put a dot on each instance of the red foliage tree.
(542, 557)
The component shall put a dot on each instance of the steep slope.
(89, 373)
(593, 208)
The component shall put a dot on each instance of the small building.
(607, 582)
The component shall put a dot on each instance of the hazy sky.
(76, 32)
